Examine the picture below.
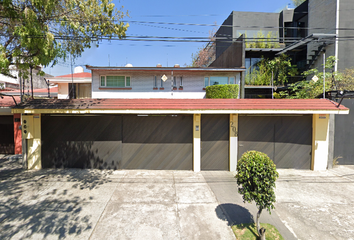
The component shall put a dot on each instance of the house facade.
(76, 85)
(158, 82)
(175, 134)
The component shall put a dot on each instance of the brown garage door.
(117, 142)
(7, 145)
(287, 140)
(215, 142)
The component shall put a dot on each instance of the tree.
(313, 87)
(280, 67)
(40, 32)
(206, 54)
(298, 2)
(345, 80)
(256, 176)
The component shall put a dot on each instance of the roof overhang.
(69, 80)
(182, 106)
(164, 69)
(319, 37)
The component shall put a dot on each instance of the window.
(174, 82)
(155, 82)
(181, 82)
(208, 81)
(115, 81)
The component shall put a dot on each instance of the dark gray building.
(303, 33)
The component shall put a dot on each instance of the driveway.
(317, 204)
(136, 204)
(97, 204)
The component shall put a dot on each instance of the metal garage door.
(215, 142)
(117, 142)
(7, 145)
(344, 135)
(82, 141)
(158, 142)
(287, 140)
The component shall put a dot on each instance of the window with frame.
(215, 80)
(155, 82)
(115, 81)
(177, 81)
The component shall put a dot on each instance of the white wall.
(142, 85)
(63, 91)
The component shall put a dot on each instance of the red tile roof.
(187, 104)
(38, 90)
(76, 75)
(7, 101)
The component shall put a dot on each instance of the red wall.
(17, 133)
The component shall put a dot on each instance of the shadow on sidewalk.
(235, 214)
(47, 203)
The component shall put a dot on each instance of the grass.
(249, 232)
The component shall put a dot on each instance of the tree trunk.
(261, 231)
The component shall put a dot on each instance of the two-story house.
(157, 118)
(158, 82)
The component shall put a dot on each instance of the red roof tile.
(7, 101)
(76, 75)
(186, 104)
(39, 90)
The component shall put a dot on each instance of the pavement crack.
(177, 209)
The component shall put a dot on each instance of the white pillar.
(196, 142)
(233, 142)
(320, 136)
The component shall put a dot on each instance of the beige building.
(74, 86)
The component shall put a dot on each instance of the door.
(215, 142)
(287, 140)
(157, 142)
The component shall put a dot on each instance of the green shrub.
(256, 176)
(222, 91)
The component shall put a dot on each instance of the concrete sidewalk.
(224, 186)
(310, 204)
(317, 204)
(98, 204)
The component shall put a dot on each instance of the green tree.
(280, 67)
(313, 86)
(40, 32)
(256, 176)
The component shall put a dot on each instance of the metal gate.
(344, 135)
(215, 142)
(287, 140)
(7, 145)
(158, 142)
(117, 142)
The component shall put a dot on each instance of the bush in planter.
(256, 176)
(222, 91)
